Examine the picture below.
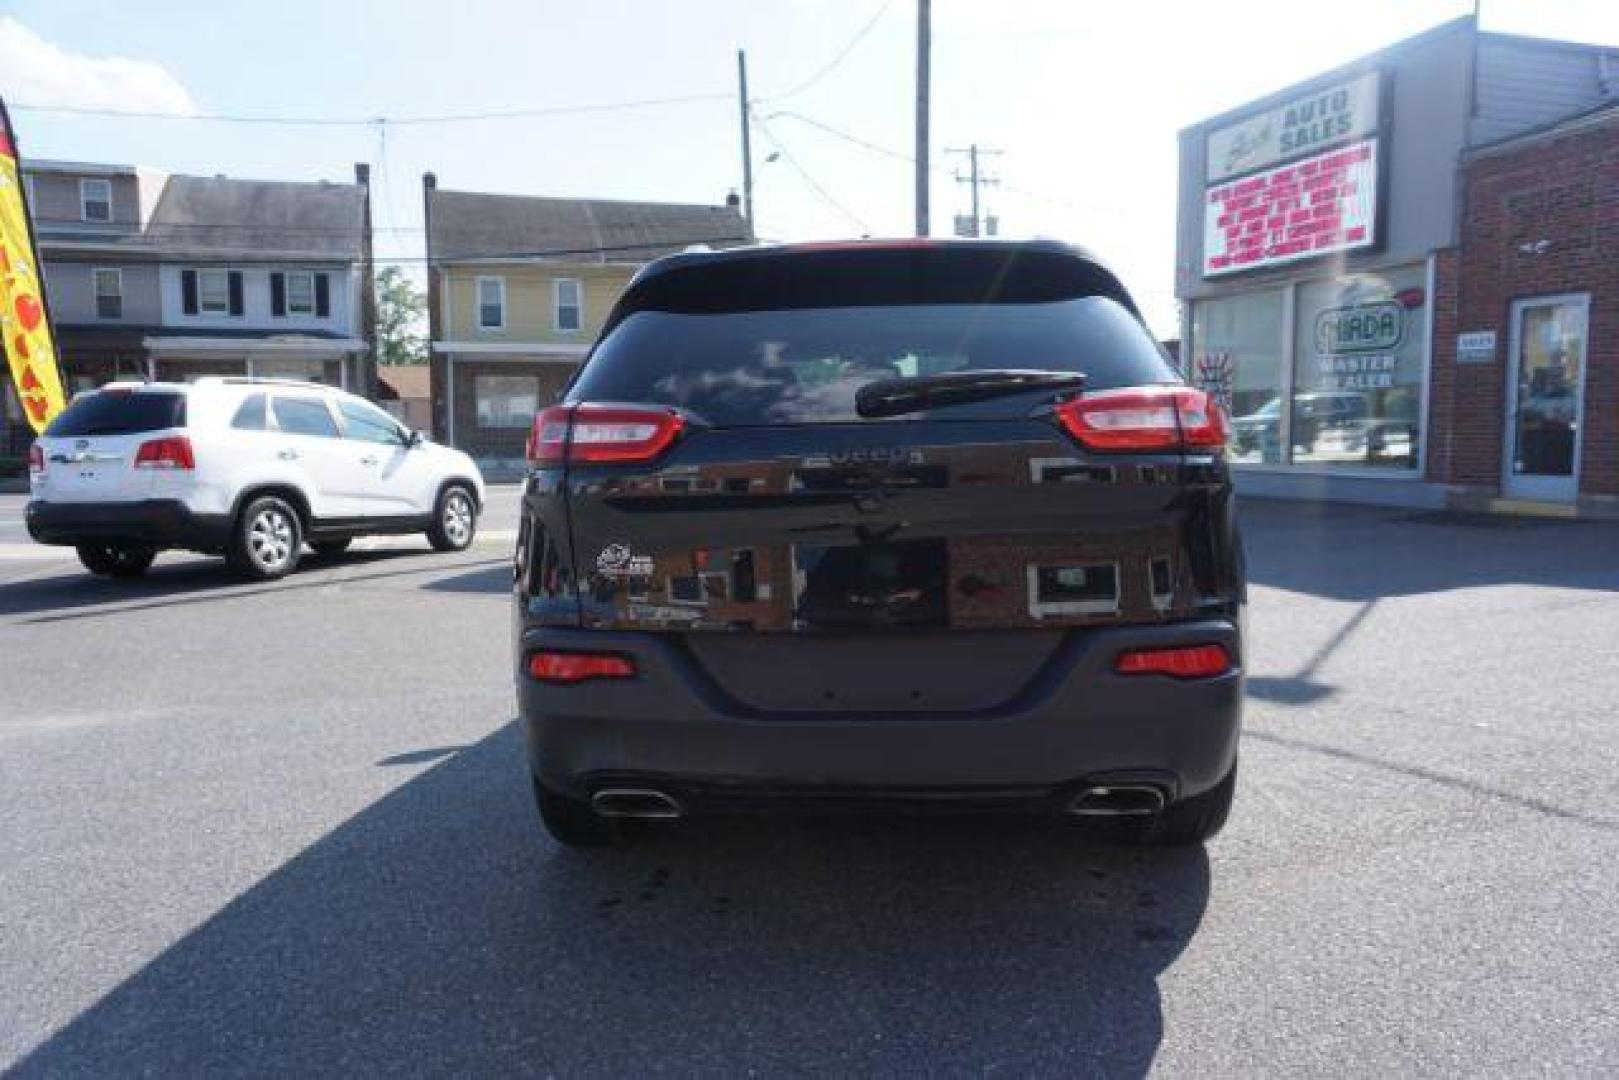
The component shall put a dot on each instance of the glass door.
(1545, 391)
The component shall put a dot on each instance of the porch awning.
(293, 345)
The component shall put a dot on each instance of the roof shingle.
(466, 225)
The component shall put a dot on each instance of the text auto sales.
(1319, 120)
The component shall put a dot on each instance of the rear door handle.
(288, 454)
(369, 459)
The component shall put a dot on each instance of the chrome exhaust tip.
(635, 803)
(1117, 800)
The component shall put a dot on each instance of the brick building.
(1537, 269)
(1400, 276)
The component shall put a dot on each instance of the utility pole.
(924, 46)
(747, 142)
(976, 179)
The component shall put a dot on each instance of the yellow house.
(518, 289)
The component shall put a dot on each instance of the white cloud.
(33, 71)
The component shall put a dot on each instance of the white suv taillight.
(169, 452)
(36, 458)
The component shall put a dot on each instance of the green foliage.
(401, 319)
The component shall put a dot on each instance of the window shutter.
(188, 291)
(236, 292)
(323, 295)
(278, 293)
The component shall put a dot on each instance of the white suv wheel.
(265, 540)
(270, 538)
(455, 522)
(458, 517)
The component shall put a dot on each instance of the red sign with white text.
(1314, 206)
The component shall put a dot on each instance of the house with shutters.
(157, 276)
(520, 286)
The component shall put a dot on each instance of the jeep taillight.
(1144, 419)
(170, 452)
(602, 434)
(568, 668)
(36, 458)
(1175, 661)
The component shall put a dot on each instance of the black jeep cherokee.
(886, 524)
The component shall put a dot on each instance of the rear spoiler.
(868, 273)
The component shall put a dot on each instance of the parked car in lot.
(251, 469)
(1259, 432)
(1340, 414)
(906, 524)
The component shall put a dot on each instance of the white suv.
(248, 468)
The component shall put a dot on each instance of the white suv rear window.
(114, 412)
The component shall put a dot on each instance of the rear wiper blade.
(895, 397)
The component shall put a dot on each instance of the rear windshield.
(119, 413)
(805, 365)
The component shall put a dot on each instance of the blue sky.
(1085, 98)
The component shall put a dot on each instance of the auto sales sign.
(1295, 181)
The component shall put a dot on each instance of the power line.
(809, 180)
(372, 121)
(843, 54)
(900, 155)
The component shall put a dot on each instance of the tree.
(401, 319)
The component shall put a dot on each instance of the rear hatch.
(89, 452)
(723, 488)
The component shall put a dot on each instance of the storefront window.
(1360, 346)
(506, 401)
(1237, 357)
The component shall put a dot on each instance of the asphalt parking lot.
(286, 828)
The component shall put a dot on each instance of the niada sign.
(1360, 328)
(1301, 126)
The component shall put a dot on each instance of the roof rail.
(255, 380)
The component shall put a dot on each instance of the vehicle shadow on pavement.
(75, 594)
(439, 932)
(495, 579)
(1345, 552)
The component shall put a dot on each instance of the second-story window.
(491, 303)
(301, 293)
(570, 304)
(211, 292)
(95, 200)
(109, 294)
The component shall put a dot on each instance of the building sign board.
(1296, 128)
(1475, 347)
(1299, 180)
(1318, 206)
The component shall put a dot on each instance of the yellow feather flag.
(24, 321)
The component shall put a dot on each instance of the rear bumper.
(1078, 723)
(163, 523)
